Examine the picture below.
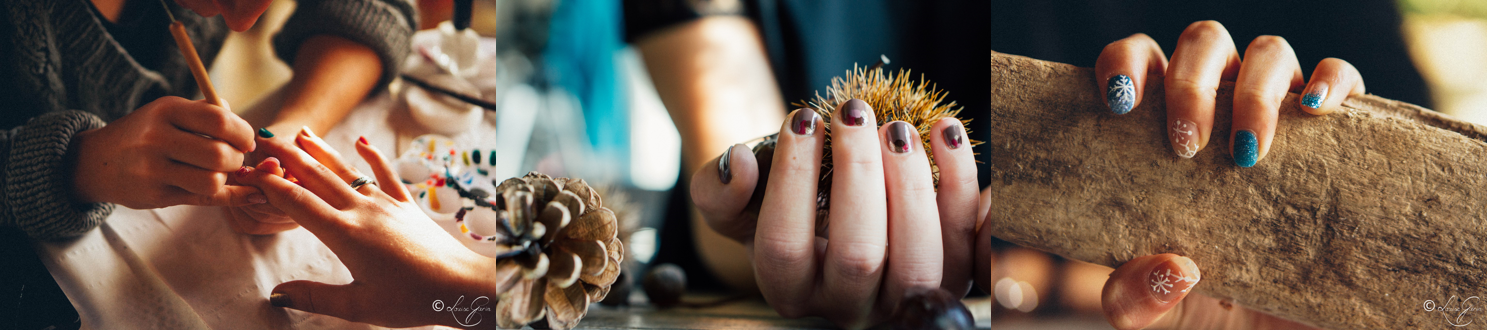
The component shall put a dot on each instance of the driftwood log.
(1361, 219)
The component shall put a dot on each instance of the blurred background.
(576, 100)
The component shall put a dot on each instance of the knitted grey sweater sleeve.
(37, 196)
(384, 25)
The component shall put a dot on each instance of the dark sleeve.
(37, 196)
(386, 26)
(645, 16)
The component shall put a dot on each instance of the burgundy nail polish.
(954, 136)
(243, 171)
(804, 122)
(854, 112)
(1169, 280)
(899, 134)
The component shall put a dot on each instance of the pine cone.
(562, 249)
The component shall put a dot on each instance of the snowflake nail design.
(1184, 138)
(1167, 282)
(1120, 94)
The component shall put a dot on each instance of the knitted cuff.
(386, 26)
(37, 189)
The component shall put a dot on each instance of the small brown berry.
(932, 308)
(664, 284)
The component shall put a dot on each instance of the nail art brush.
(188, 50)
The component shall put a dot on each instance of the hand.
(265, 219)
(1205, 55)
(1151, 292)
(399, 259)
(889, 228)
(171, 151)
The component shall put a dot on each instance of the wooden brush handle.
(198, 70)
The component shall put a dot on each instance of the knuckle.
(860, 261)
(1183, 86)
(776, 252)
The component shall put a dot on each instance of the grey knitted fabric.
(61, 72)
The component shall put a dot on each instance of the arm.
(714, 78)
(331, 76)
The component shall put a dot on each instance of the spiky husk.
(893, 97)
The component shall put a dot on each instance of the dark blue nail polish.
(1246, 149)
(725, 174)
(1120, 94)
(263, 132)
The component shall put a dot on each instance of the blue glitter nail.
(1313, 99)
(1120, 94)
(1246, 149)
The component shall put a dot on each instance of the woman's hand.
(171, 151)
(265, 219)
(399, 259)
(889, 230)
(1206, 55)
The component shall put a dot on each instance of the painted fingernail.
(1120, 94)
(243, 171)
(363, 140)
(257, 199)
(954, 136)
(804, 122)
(725, 174)
(854, 112)
(1313, 98)
(1171, 279)
(1246, 148)
(899, 134)
(264, 133)
(1184, 138)
(279, 300)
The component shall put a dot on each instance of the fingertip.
(1145, 289)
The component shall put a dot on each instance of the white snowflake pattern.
(1184, 137)
(1121, 94)
(1163, 282)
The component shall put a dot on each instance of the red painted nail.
(243, 171)
(361, 139)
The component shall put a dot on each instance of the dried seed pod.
(563, 250)
(893, 97)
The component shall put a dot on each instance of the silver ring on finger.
(361, 181)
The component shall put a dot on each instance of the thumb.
(1144, 289)
(722, 190)
(230, 195)
(318, 298)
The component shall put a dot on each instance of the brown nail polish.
(854, 112)
(899, 134)
(954, 136)
(725, 174)
(1171, 279)
(279, 300)
(804, 122)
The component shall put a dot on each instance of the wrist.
(85, 186)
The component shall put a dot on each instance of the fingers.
(334, 300)
(721, 190)
(1123, 66)
(785, 262)
(323, 153)
(1268, 72)
(203, 118)
(1204, 56)
(1331, 83)
(858, 219)
(915, 247)
(295, 201)
(195, 150)
(387, 178)
(1146, 288)
(984, 256)
(245, 220)
(957, 199)
(313, 175)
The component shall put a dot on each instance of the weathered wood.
(1354, 220)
